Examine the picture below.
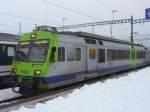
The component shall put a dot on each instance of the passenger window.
(100, 42)
(3, 50)
(61, 54)
(74, 54)
(109, 55)
(140, 54)
(118, 55)
(71, 54)
(10, 51)
(92, 53)
(78, 54)
(101, 55)
(90, 41)
(6, 54)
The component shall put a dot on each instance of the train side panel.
(111, 65)
(92, 64)
(71, 65)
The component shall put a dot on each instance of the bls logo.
(24, 72)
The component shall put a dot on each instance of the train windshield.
(22, 53)
(38, 52)
(35, 51)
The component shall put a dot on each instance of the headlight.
(33, 36)
(14, 70)
(37, 72)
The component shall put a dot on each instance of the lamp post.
(20, 28)
(113, 12)
(63, 21)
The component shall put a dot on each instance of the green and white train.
(47, 59)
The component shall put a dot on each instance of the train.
(47, 59)
(8, 43)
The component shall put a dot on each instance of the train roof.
(98, 37)
(85, 35)
(9, 37)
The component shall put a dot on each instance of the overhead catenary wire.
(27, 19)
(105, 4)
(111, 8)
(13, 26)
(68, 9)
(60, 1)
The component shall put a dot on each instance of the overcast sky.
(32, 12)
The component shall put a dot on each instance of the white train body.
(66, 71)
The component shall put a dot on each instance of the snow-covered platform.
(126, 94)
(7, 94)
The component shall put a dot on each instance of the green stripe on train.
(133, 57)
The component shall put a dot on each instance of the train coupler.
(28, 88)
(14, 83)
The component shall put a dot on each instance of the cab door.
(91, 59)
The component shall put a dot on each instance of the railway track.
(2, 87)
(5, 84)
(15, 103)
(6, 101)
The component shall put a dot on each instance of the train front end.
(30, 65)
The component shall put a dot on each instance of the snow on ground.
(7, 94)
(126, 94)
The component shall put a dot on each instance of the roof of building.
(8, 37)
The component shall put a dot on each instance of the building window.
(92, 53)
(61, 54)
(101, 55)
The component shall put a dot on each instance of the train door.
(6, 54)
(91, 59)
(133, 57)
